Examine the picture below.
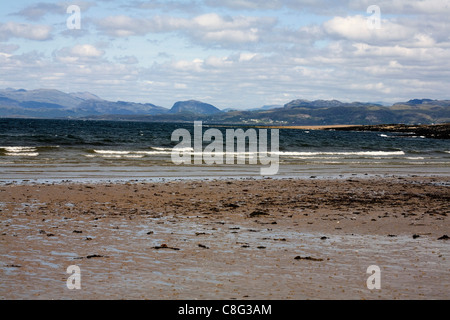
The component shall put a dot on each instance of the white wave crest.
(22, 154)
(112, 152)
(19, 149)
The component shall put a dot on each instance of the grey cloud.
(38, 10)
(8, 48)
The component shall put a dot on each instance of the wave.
(18, 151)
(297, 153)
(22, 154)
(130, 154)
(112, 152)
(117, 156)
(168, 151)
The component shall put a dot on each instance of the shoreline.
(243, 239)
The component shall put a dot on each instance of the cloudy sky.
(230, 53)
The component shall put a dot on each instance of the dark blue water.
(72, 148)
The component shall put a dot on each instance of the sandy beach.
(235, 239)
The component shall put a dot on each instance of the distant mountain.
(267, 107)
(229, 109)
(103, 107)
(42, 96)
(194, 107)
(424, 102)
(44, 103)
(300, 103)
(333, 112)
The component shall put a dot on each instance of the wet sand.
(236, 239)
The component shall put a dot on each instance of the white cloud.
(25, 31)
(420, 7)
(356, 28)
(246, 56)
(78, 53)
(180, 86)
(206, 28)
(218, 62)
(86, 50)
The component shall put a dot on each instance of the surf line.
(190, 151)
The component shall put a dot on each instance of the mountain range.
(49, 103)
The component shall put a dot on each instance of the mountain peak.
(194, 106)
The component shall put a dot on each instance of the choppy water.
(72, 149)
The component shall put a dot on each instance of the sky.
(230, 53)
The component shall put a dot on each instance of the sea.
(44, 151)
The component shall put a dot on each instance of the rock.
(231, 205)
(444, 237)
(95, 256)
(90, 257)
(258, 213)
(203, 246)
(416, 236)
(324, 238)
(165, 246)
(77, 231)
(307, 258)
